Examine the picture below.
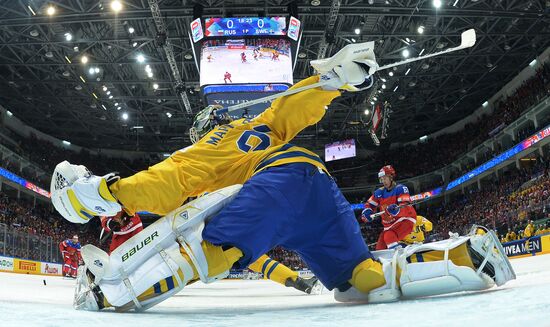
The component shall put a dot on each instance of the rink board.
(533, 246)
(23, 266)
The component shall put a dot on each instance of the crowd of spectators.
(507, 202)
(44, 154)
(498, 205)
(34, 232)
(424, 157)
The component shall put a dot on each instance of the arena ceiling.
(40, 69)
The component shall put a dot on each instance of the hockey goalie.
(262, 192)
(169, 254)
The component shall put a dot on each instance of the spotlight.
(131, 30)
(367, 112)
(108, 92)
(104, 88)
(116, 6)
(437, 3)
(110, 96)
(91, 71)
(357, 31)
(384, 86)
(155, 86)
(50, 11)
(420, 29)
(96, 70)
(140, 58)
(68, 36)
(390, 73)
(125, 116)
(134, 44)
(405, 53)
(84, 59)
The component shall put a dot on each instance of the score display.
(340, 150)
(241, 26)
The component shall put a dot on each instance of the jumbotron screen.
(340, 150)
(239, 61)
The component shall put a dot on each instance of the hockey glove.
(351, 76)
(366, 215)
(393, 210)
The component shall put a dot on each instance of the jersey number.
(259, 132)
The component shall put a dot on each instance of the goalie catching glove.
(351, 76)
(79, 196)
(350, 69)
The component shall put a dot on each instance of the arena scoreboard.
(242, 26)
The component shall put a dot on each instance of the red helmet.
(386, 171)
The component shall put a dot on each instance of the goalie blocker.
(158, 262)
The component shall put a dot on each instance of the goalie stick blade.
(468, 38)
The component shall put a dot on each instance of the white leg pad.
(441, 277)
(153, 254)
(420, 279)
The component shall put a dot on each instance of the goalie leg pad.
(149, 267)
(441, 277)
(467, 263)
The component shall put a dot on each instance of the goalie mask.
(206, 120)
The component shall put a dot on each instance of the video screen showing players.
(340, 150)
(234, 61)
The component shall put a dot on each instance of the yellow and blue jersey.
(229, 154)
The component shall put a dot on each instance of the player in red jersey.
(70, 250)
(227, 77)
(122, 228)
(275, 56)
(398, 218)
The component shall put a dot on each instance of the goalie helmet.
(206, 120)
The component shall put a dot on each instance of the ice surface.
(25, 301)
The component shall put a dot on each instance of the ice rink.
(26, 301)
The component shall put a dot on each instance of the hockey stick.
(378, 214)
(467, 39)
